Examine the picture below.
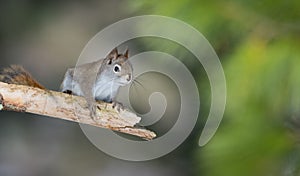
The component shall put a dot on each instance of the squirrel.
(99, 80)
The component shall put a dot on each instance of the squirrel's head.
(118, 67)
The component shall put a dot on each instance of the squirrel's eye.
(117, 68)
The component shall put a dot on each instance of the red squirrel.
(99, 80)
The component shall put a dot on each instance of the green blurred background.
(258, 43)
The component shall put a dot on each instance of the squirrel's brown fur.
(16, 74)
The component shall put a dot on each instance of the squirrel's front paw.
(93, 111)
(117, 105)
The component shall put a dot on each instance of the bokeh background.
(258, 43)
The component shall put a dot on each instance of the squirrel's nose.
(128, 77)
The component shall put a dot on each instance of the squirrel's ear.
(113, 54)
(126, 53)
(108, 61)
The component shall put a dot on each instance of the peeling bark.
(21, 98)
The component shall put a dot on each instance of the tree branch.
(68, 107)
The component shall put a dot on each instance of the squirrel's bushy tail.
(16, 74)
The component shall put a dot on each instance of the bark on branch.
(68, 107)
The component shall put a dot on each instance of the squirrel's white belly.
(106, 92)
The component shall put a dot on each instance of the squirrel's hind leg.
(66, 85)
